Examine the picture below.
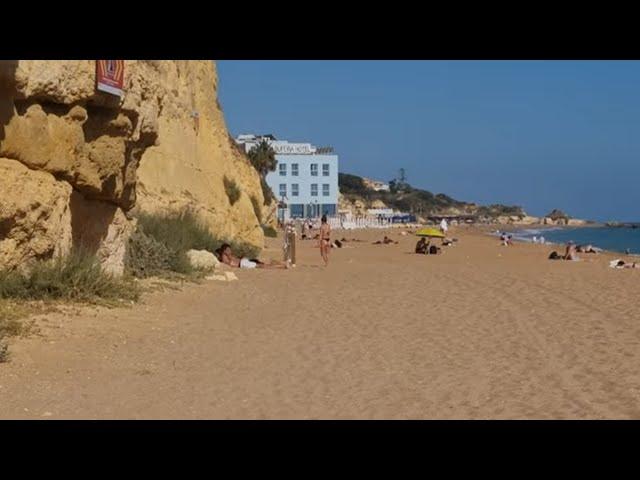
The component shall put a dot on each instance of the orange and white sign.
(110, 76)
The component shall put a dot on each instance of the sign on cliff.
(110, 76)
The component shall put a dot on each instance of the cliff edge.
(75, 162)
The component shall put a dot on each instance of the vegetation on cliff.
(404, 197)
(231, 189)
(263, 159)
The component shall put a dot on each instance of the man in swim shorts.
(226, 256)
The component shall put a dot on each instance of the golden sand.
(481, 331)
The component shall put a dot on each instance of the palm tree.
(263, 158)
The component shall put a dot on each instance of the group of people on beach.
(226, 255)
(423, 247)
(571, 251)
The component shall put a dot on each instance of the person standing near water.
(325, 240)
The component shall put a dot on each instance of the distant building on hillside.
(376, 185)
(305, 181)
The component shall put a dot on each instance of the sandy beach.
(481, 331)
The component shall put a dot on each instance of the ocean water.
(607, 238)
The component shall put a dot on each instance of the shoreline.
(516, 229)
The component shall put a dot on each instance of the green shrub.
(162, 241)
(269, 231)
(77, 276)
(147, 257)
(232, 190)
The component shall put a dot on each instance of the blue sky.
(544, 135)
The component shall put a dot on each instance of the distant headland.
(363, 196)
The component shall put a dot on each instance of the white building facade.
(305, 179)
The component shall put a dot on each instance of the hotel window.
(325, 189)
(314, 189)
(294, 169)
(294, 189)
(283, 169)
(297, 211)
(314, 170)
(283, 189)
(325, 169)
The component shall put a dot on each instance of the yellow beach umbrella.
(430, 232)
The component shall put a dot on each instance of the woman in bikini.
(325, 240)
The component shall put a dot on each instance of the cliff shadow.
(8, 70)
(90, 220)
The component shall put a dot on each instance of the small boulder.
(202, 259)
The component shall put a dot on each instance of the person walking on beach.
(444, 227)
(325, 240)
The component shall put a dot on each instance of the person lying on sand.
(588, 249)
(226, 256)
(623, 264)
(422, 246)
(386, 241)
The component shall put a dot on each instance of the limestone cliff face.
(185, 170)
(75, 161)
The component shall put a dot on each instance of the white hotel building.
(305, 179)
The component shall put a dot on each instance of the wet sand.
(481, 331)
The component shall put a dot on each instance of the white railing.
(354, 223)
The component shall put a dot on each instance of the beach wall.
(75, 162)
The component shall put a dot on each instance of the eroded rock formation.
(74, 161)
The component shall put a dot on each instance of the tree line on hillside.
(402, 196)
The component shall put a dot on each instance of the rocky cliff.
(74, 162)
(194, 153)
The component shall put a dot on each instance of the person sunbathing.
(570, 252)
(588, 249)
(555, 256)
(623, 264)
(226, 256)
(422, 246)
(385, 241)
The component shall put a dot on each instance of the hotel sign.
(110, 76)
(292, 148)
